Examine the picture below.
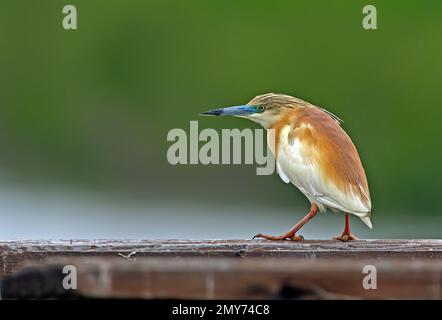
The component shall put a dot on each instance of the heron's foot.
(298, 238)
(279, 238)
(346, 237)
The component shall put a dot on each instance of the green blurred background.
(85, 113)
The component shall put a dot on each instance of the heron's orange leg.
(346, 235)
(291, 234)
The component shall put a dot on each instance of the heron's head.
(265, 109)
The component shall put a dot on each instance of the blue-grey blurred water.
(57, 213)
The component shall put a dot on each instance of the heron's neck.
(277, 119)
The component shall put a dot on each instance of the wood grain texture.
(223, 269)
(228, 278)
(15, 254)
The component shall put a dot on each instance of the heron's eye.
(261, 108)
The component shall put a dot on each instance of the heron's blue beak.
(244, 110)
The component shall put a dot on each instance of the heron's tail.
(367, 221)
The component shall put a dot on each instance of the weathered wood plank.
(225, 268)
(230, 278)
(14, 254)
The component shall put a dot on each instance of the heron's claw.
(279, 238)
(298, 238)
(346, 237)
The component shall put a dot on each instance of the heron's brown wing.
(321, 160)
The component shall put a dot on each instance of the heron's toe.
(297, 238)
(346, 237)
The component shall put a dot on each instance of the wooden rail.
(235, 268)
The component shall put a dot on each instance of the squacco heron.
(312, 152)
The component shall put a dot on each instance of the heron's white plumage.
(296, 164)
